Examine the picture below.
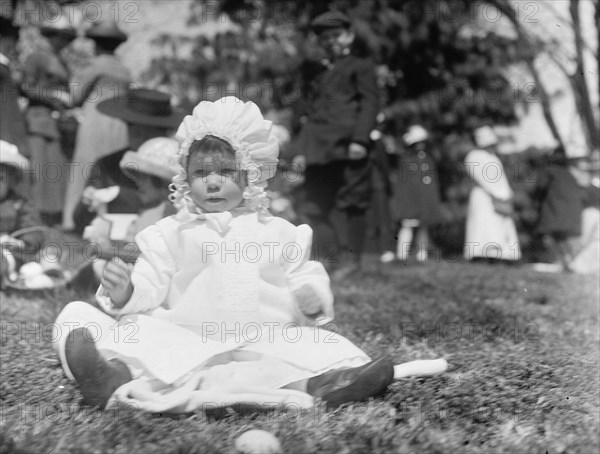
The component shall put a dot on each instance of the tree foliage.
(434, 65)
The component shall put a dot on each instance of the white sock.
(405, 236)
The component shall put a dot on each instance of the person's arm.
(366, 85)
(149, 281)
(308, 281)
(36, 68)
(82, 83)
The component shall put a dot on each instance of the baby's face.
(216, 182)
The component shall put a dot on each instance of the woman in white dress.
(491, 234)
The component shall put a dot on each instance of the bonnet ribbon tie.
(219, 222)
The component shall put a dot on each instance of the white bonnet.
(243, 126)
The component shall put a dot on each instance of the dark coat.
(12, 122)
(562, 203)
(104, 173)
(416, 192)
(43, 73)
(345, 104)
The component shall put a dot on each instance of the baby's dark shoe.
(355, 384)
(96, 377)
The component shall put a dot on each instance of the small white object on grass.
(420, 368)
(30, 269)
(257, 442)
(39, 281)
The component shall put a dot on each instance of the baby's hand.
(116, 279)
(308, 301)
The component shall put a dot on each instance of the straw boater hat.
(415, 134)
(157, 157)
(142, 106)
(242, 125)
(10, 156)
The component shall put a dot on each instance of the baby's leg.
(96, 377)
(76, 332)
(334, 369)
(355, 384)
(79, 314)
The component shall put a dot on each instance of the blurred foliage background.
(444, 64)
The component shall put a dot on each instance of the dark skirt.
(562, 204)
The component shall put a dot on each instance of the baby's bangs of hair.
(212, 145)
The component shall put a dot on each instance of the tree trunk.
(506, 8)
(582, 96)
(598, 49)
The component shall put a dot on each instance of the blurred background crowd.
(508, 85)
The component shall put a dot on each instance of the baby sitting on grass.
(223, 305)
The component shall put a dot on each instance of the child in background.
(15, 210)
(562, 193)
(219, 307)
(417, 201)
(152, 168)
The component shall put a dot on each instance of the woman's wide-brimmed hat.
(58, 26)
(157, 157)
(107, 31)
(143, 106)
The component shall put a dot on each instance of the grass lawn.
(523, 350)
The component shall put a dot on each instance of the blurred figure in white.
(586, 259)
(491, 235)
(98, 135)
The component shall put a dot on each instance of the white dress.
(488, 233)
(98, 134)
(587, 260)
(214, 317)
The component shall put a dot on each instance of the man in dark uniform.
(333, 145)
